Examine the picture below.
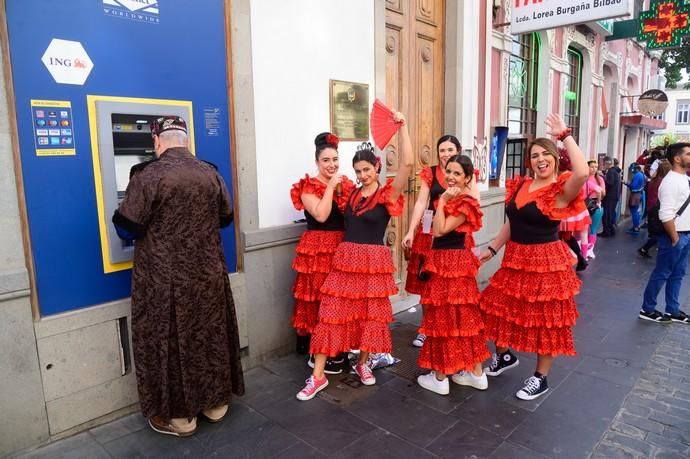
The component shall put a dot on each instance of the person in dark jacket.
(612, 180)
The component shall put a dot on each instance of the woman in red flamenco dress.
(573, 224)
(452, 321)
(355, 309)
(323, 199)
(529, 304)
(416, 241)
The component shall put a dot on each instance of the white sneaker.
(467, 378)
(430, 382)
(419, 340)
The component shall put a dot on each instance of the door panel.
(414, 85)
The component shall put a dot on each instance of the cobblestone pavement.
(626, 394)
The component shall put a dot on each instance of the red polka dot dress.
(452, 320)
(314, 253)
(355, 309)
(529, 304)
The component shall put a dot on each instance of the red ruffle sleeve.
(470, 208)
(395, 209)
(426, 176)
(546, 201)
(512, 187)
(307, 185)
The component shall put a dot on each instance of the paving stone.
(637, 410)
(444, 404)
(77, 447)
(264, 388)
(149, 444)
(265, 441)
(119, 428)
(318, 423)
(642, 423)
(668, 444)
(382, 445)
(509, 450)
(403, 416)
(663, 454)
(614, 370)
(496, 416)
(628, 430)
(465, 441)
(640, 399)
(629, 443)
(679, 423)
(300, 451)
(682, 436)
(609, 451)
(682, 395)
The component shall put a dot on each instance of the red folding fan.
(382, 124)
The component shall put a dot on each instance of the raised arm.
(443, 224)
(320, 209)
(407, 161)
(556, 126)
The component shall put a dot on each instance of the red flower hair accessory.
(332, 139)
(476, 174)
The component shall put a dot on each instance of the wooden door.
(414, 85)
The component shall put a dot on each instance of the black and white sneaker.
(681, 317)
(534, 387)
(334, 366)
(501, 363)
(655, 316)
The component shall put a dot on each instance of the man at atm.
(184, 326)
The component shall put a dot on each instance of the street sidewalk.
(626, 394)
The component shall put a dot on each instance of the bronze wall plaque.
(349, 110)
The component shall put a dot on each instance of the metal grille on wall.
(522, 100)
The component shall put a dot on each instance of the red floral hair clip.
(476, 174)
(332, 139)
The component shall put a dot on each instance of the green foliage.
(673, 61)
(663, 139)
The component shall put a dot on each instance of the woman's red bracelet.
(565, 134)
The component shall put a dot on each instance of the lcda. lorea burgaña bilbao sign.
(532, 15)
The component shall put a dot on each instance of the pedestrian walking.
(674, 243)
(594, 189)
(529, 304)
(184, 326)
(355, 307)
(323, 199)
(663, 167)
(636, 187)
(417, 241)
(573, 224)
(452, 322)
(612, 181)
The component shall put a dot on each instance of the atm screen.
(132, 144)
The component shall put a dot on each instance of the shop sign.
(532, 15)
(133, 10)
(67, 62)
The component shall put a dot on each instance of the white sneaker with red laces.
(313, 387)
(365, 374)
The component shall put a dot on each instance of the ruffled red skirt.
(355, 309)
(313, 263)
(421, 245)
(452, 320)
(529, 304)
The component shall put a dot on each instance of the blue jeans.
(635, 214)
(671, 263)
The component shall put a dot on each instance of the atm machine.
(121, 138)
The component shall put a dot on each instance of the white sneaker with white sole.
(467, 378)
(430, 382)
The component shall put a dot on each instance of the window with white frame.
(683, 112)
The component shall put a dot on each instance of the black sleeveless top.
(334, 222)
(436, 189)
(528, 225)
(452, 240)
(370, 226)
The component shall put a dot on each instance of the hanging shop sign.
(533, 15)
(665, 24)
(53, 129)
(67, 62)
(652, 102)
